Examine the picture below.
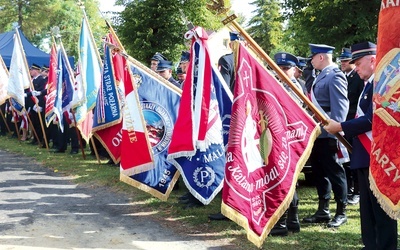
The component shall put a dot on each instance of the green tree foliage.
(37, 17)
(339, 23)
(266, 27)
(149, 26)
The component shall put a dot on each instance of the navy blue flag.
(160, 104)
(198, 143)
(64, 89)
(107, 110)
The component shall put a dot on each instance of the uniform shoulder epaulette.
(337, 70)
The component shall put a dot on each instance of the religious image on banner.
(270, 139)
(197, 148)
(159, 104)
(385, 151)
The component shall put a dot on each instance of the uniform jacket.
(354, 89)
(330, 91)
(354, 127)
(226, 68)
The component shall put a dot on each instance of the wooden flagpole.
(260, 52)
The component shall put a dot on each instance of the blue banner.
(160, 108)
(107, 110)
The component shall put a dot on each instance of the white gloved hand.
(36, 93)
(37, 108)
(24, 94)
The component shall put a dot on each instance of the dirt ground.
(40, 209)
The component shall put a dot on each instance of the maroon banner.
(385, 151)
(270, 139)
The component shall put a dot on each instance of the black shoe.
(194, 204)
(317, 218)
(58, 151)
(217, 216)
(73, 152)
(337, 221)
(185, 196)
(34, 142)
(353, 199)
(279, 231)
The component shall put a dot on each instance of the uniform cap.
(35, 66)
(285, 59)
(185, 56)
(302, 62)
(234, 35)
(320, 48)
(346, 54)
(158, 57)
(164, 65)
(362, 49)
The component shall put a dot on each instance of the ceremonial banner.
(136, 153)
(385, 152)
(64, 90)
(3, 81)
(19, 78)
(51, 86)
(159, 104)
(270, 139)
(107, 111)
(107, 125)
(197, 147)
(90, 75)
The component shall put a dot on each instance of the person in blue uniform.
(329, 95)
(164, 69)
(378, 230)
(355, 87)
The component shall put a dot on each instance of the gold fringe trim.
(391, 209)
(148, 189)
(115, 160)
(138, 169)
(241, 220)
(107, 125)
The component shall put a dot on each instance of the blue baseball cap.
(320, 48)
(285, 59)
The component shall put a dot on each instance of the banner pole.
(260, 52)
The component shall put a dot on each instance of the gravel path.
(40, 209)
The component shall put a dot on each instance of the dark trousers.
(69, 135)
(378, 230)
(3, 127)
(329, 175)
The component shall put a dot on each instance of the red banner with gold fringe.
(385, 152)
(270, 139)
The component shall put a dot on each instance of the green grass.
(195, 221)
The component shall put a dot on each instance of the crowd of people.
(343, 94)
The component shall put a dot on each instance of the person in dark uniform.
(289, 221)
(164, 69)
(155, 59)
(300, 66)
(329, 95)
(226, 66)
(39, 91)
(180, 75)
(184, 62)
(226, 63)
(309, 75)
(354, 89)
(378, 230)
